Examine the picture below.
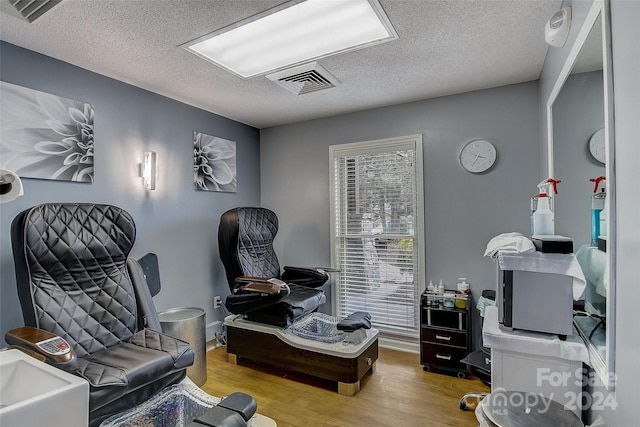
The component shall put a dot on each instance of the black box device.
(553, 244)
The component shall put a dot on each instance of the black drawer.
(444, 336)
(443, 355)
(445, 318)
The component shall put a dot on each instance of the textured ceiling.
(444, 48)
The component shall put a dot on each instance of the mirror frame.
(599, 11)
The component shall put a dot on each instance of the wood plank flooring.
(399, 393)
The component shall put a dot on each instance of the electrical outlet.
(217, 300)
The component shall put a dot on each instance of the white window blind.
(378, 241)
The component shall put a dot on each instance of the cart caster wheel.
(462, 404)
(470, 401)
(462, 374)
(425, 368)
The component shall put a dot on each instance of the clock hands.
(478, 156)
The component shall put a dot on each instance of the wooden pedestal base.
(269, 349)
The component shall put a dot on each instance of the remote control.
(55, 346)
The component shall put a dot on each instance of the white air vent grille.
(305, 78)
(28, 9)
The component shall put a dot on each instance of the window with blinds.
(377, 222)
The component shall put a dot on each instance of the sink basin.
(33, 393)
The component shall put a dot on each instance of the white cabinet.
(536, 362)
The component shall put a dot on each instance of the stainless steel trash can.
(188, 324)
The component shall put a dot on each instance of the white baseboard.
(409, 347)
(213, 328)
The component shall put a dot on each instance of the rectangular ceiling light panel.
(293, 33)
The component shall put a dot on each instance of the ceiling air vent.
(305, 78)
(27, 9)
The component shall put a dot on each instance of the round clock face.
(596, 146)
(478, 156)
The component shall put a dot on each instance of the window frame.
(382, 145)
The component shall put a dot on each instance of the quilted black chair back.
(72, 273)
(245, 239)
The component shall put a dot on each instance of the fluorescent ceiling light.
(293, 33)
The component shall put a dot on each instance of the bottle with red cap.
(543, 221)
(598, 202)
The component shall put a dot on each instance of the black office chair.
(73, 281)
(259, 290)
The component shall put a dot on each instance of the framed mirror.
(580, 138)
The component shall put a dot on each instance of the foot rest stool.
(232, 411)
(355, 321)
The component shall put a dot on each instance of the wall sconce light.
(10, 186)
(150, 170)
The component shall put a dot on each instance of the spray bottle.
(598, 202)
(604, 216)
(542, 222)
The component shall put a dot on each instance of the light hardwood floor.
(399, 393)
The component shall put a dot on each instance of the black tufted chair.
(245, 240)
(73, 281)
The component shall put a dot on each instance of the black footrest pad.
(219, 417)
(241, 403)
(355, 321)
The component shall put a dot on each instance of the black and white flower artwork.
(214, 163)
(45, 136)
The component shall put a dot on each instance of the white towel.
(509, 241)
(595, 268)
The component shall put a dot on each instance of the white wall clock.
(596, 146)
(478, 156)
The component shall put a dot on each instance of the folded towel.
(483, 303)
(509, 241)
(595, 268)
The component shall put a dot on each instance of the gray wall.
(174, 221)
(625, 33)
(625, 16)
(462, 211)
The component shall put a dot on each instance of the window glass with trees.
(377, 222)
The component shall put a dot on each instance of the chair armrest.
(249, 279)
(53, 348)
(311, 277)
(246, 297)
(265, 287)
(320, 269)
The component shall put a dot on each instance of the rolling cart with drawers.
(445, 336)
